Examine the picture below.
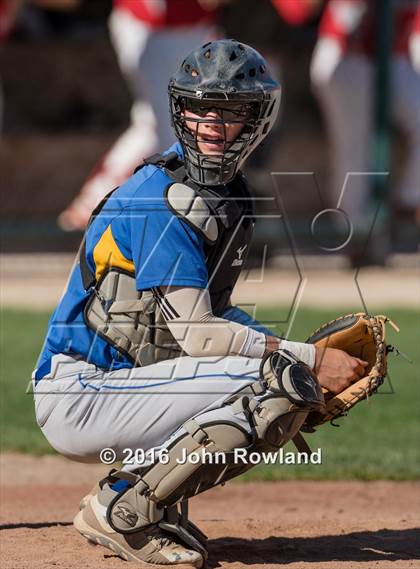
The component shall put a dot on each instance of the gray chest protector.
(132, 321)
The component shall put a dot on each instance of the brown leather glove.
(362, 336)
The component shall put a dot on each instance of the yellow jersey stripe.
(106, 254)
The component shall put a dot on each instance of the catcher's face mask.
(223, 103)
(215, 126)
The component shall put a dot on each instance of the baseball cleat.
(84, 501)
(150, 545)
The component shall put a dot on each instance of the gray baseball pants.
(82, 409)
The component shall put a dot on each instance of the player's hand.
(336, 370)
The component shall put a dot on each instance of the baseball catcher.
(145, 353)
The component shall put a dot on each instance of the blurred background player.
(150, 40)
(343, 78)
(73, 121)
(142, 34)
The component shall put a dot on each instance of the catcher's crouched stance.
(145, 350)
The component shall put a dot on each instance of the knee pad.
(177, 477)
(274, 410)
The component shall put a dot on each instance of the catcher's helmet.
(235, 77)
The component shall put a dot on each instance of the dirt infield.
(298, 525)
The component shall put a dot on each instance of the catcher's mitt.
(361, 336)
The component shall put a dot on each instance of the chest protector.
(132, 321)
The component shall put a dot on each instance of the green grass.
(378, 440)
(22, 336)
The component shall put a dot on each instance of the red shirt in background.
(296, 12)
(353, 24)
(8, 14)
(167, 13)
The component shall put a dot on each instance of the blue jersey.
(135, 231)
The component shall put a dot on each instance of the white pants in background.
(347, 100)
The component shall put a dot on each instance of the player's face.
(215, 127)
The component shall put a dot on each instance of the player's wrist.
(272, 343)
(304, 352)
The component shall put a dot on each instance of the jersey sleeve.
(166, 251)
